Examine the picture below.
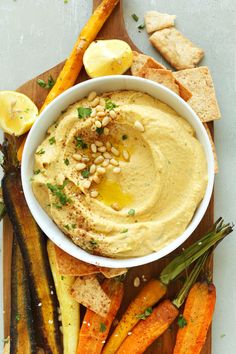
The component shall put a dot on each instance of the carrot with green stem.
(162, 316)
(95, 328)
(155, 289)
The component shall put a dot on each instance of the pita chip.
(200, 83)
(141, 61)
(155, 21)
(88, 292)
(161, 76)
(179, 51)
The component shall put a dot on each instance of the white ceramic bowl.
(53, 111)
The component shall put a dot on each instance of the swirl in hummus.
(120, 174)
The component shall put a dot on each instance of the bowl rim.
(70, 247)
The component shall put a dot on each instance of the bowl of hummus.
(118, 171)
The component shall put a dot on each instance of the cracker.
(155, 21)
(179, 51)
(161, 76)
(141, 61)
(216, 165)
(203, 101)
(88, 292)
(113, 272)
(183, 91)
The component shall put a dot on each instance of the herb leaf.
(36, 172)
(145, 314)
(52, 140)
(58, 192)
(103, 327)
(131, 212)
(140, 27)
(66, 162)
(48, 85)
(85, 173)
(124, 231)
(109, 105)
(80, 143)
(18, 317)
(124, 137)
(84, 112)
(135, 17)
(181, 321)
(40, 152)
(99, 131)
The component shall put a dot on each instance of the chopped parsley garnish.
(52, 140)
(99, 131)
(84, 112)
(62, 277)
(109, 105)
(67, 227)
(93, 243)
(181, 321)
(140, 27)
(85, 173)
(73, 226)
(131, 212)
(66, 162)
(103, 327)
(18, 317)
(145, 314)
(58, 192)
(57, 206)
(48, 85)
(135, 17)
(80, 143)
(40, 152)
(124, 231)
(124, 137)
(36, 172)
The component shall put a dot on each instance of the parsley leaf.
(140, 27)
(84, 112)
(48, 85)
(67, 227)
(66, 162)
(85, 173)
(135, 17)
(109, 105)
(99, 131)
(58, 192)
(124, 231)
(40, 152)
(131, 212)
(36, 172)
(103, 327)
(18, 317)
(80, 143)
(52, 140)
(124, 137)
(145, 314)
(181, 321)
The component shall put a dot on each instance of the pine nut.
(94, 194)
(138, 125)
(101, 170)
(85, 159)
(93, 148)
(106, 163)
(108, 145)
(96, 179)
(99, 159)
(94, 113)
(116, 169)
(98, 143)
(107, 155)
(98, 123)
(102, 149)
(105, 121)
(77, 157)
(87, 184)
(125, 155)
(114, 162)
(92, 169)
(112, 114)
(93, 128)
(92, 95)
(80, 166)
(100, 108)
(95, 102)
(115, 151)
(106, 131)
(101, 114)
(116, 206)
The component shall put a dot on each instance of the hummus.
(121, 174)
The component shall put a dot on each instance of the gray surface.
(37, 34)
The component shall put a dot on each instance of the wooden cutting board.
(114, 28)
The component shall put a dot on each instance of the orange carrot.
(151, 293)
(198, 312)
(74, 63)
(146, 331)
(95, 328)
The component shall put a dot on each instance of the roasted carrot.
(95, 328)
(144, 334)
(198, 312)
(148, 296)
(74, 63)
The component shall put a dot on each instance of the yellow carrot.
(152, 292)
(74, 63)
(198, 312)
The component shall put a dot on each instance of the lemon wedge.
(17, 112)
(107, 57)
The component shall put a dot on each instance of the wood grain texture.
(114, 28)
